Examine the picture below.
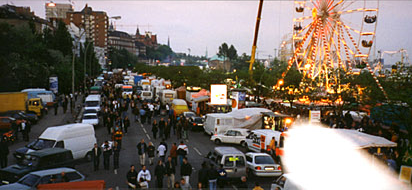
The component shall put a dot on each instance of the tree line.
(29, 58)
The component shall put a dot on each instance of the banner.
(218, 94)
(235, 100)
(314, 116)
(54, 84)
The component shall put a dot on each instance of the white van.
(259, 140)
(167, 96)
(79, 138)
(93, 102)
(218, 123)
(146, 95)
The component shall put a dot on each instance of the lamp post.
(75, 48)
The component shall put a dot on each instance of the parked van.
(232, 159)
(146, 95)
(259, 140)
(179, 106)
(167, 96)
(127, 91)
(93, 102)
(79, 138)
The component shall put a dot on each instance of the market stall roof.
(363, 140)
(201, 99)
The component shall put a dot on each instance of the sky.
(204, 25)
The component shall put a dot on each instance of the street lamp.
(75, 48)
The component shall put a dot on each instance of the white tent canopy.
(363, 140)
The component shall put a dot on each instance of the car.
(196, 123)
(37, 160)
(232, 159)
(189, 114)
(33, 179)
(20, 115)
(233, 136)
(262, 165)
(284, 183)
(90, 111)
(91, 118)
(5, 128)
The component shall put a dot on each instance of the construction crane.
(252, 57)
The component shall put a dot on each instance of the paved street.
(198, 143)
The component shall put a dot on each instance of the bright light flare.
(320, 159)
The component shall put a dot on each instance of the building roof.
(216, 57)
(119, 34)
(23, 13)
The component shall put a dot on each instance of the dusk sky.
(201, 25)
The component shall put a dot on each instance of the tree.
(227, 52)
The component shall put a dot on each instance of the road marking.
(144, 130)
(200, 154)
(234, 187)
(115, 171)
(186, 140)
(148, 136)
(117, 188)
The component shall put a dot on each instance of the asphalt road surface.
(199, 145)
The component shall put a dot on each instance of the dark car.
(196, 123)
(20, 115)
(37, 160)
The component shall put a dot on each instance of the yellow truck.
(19, 101)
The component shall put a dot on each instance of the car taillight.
(258, 168)
(194, 124)
(215, 134)
(279, 168)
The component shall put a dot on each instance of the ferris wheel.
(332, 35)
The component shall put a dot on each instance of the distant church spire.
(168, 41)
(137, 31)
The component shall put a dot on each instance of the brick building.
(21, 16)
(119, 40)
(95, 24)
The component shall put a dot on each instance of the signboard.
(314, 116)
(54, 84)
(406, 174)
(235, 100)
(218, 94)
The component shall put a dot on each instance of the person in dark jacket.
(186, 170)
(162, 126)
(107, 152)
(141, 150)
(126, 124)
(243, 183)
(160, 171)
(96, 152)
(155, 128)
(151, 149)
(202, 177)
(170, 172)
(212, 176)
(4, 152)
(116, 154)
(131, 177)
(221, 180)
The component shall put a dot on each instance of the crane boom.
(252, 57)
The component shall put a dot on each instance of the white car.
(91, 118)
(188, 114)
(233, 136)
(283, 182)
(262, 165)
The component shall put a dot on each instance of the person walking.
(144, 175)
(170, 171)
(173, 154)
(142, 113)
(221, 180)
(24, 130)
(131, 178)
(272, 147)
(186, 170)
(107, 152)
(150, 115)
(151, 152)
(118, 136)
(182, 151)
(155, 128)
(160, 172)
(116, 154)
(141, 150)
(161, 151)
(162, 126)
(126, 124)
(56, 107)
(96, 152)
(184, 185)
(179, 127)
(109, 125)
(4, 152)
(185, 128)
(168, 128)
(202, 176)
(212, 176)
